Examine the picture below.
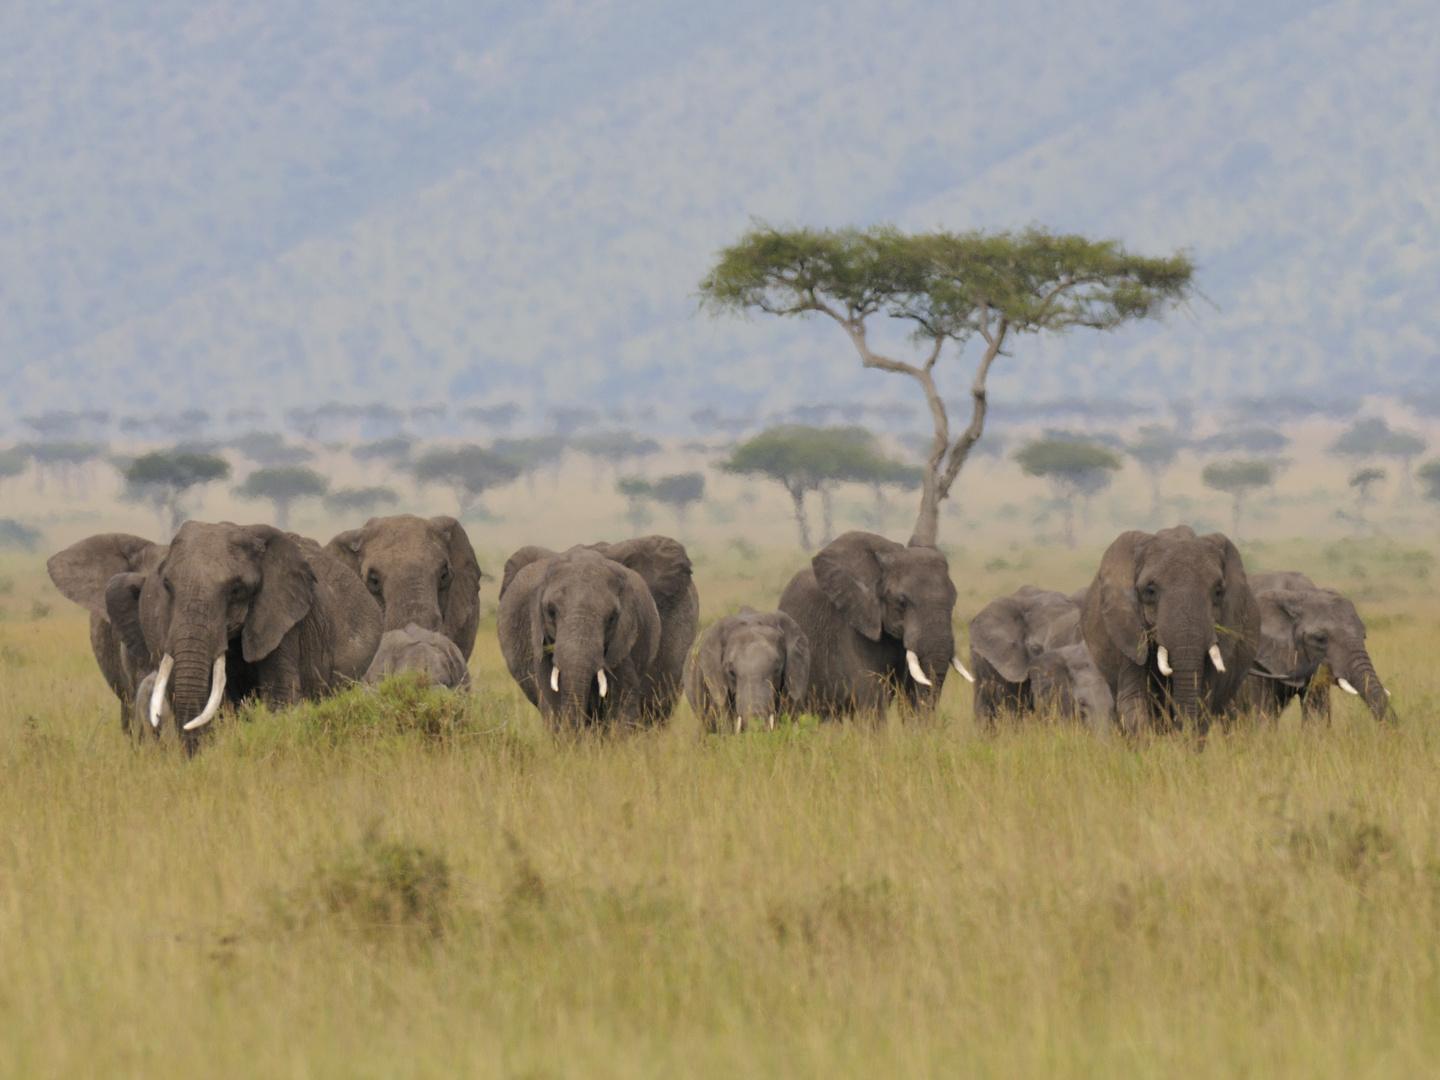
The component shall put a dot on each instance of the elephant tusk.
(1388, 694)
(157, 696)
(915, 671)
(1345, 685)
(604, 686)
(772, 721)
(739, 724)
(1162, 657)
(217, 694)
(555, 679)
(955, 663)
(1215, 658)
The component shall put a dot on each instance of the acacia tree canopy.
(948, 287)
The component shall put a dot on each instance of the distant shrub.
(377, 887)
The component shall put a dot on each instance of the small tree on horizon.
(945, 288)
(679, 491)
(1361, 481)
(1155, 450)
(1237, 479)
(469, 471)
(162, 479)
(1073, 468)
(282, 485)
(1374, 438)
(637, 491)
(362, 502)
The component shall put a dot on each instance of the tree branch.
(971, 435)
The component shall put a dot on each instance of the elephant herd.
(1170, 632)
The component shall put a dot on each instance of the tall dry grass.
(404, 885)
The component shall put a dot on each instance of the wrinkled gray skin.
(749, 668)
(1301, 628)
(1182, 592)
(421, 573)
(82, 572)
(291, 620)
(862, 602)
(629, 610)
(413, 648)
(1028, 655)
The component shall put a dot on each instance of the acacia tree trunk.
(797, 496)
(827, 514)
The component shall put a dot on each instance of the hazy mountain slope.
(541, 238)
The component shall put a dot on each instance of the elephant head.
(749, 667)
(421, 572)
(217, 606)
(83, 573)
(593, 623)
(886, 590)
(1303, 626)
(413, 648)
(1170, 615)
(1066, 681)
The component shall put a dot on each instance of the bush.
(376, 888)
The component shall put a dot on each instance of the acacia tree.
(1369, 439)
(162, 479)
(1237, 479)
(679, 491)
(360, 501)
(637, 491)
(1155, 450)
(282, 485)
(1361, 481)
(946, 287)
(1073, 469)
(469, 471)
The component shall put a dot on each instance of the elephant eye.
(444, 576)
(1149, 593)
(902, 601)
(169, 588)
(372, 581)
(237, 591)
(1218, 593)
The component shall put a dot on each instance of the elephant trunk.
(578, 680)
(754, 702)
(1359, 673)
(1187, 663)
(929, 650)
(411, 597)
(191, 679)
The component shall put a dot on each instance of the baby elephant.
(416, 649)
(749, 667)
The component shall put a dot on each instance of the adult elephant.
(598, 635)
(749, 667)
(423, 573)
(877, 615)
(238, 610)
(1028, 655)
(81, 572)
(1172, 625)
(1303, 626)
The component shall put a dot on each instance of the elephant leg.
(1132, 699)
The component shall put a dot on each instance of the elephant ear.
(1279, 652)
(521, 559)
(797, 657)
(462, 606)
(1239, 613)
(122, 607)
(1119, 602)
(348, 547)
(663, 563)
(83, 570)
(998, 635)
(287, 591)
(637, 630)
(849, 573)
(710, 665)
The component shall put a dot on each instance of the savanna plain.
(409, 883)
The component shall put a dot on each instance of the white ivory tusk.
(604, 686)
(157, 696)
(1345, 685)
(915, 671)
(217, 694)
(772, 721)
(955, 663)
(1215, 658)
(1162, 657)
(555, 679)
(739, 724)
(1388, 694)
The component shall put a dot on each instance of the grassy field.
(411, 884)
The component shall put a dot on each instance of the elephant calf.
(1301, 628)
(749, 667)
(1028, 655)
(414, 648)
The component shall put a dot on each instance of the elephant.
(1028, 655)
(413, 648)
(598, 635)
(748, 668)
(878, 616)
(1302, 627)
(1173, 626)
(422, 573)
(81, 572)
(237, 610)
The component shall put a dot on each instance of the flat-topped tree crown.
(949, 287)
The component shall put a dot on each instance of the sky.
(263, 206)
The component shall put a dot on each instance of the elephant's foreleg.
(1132, 699)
